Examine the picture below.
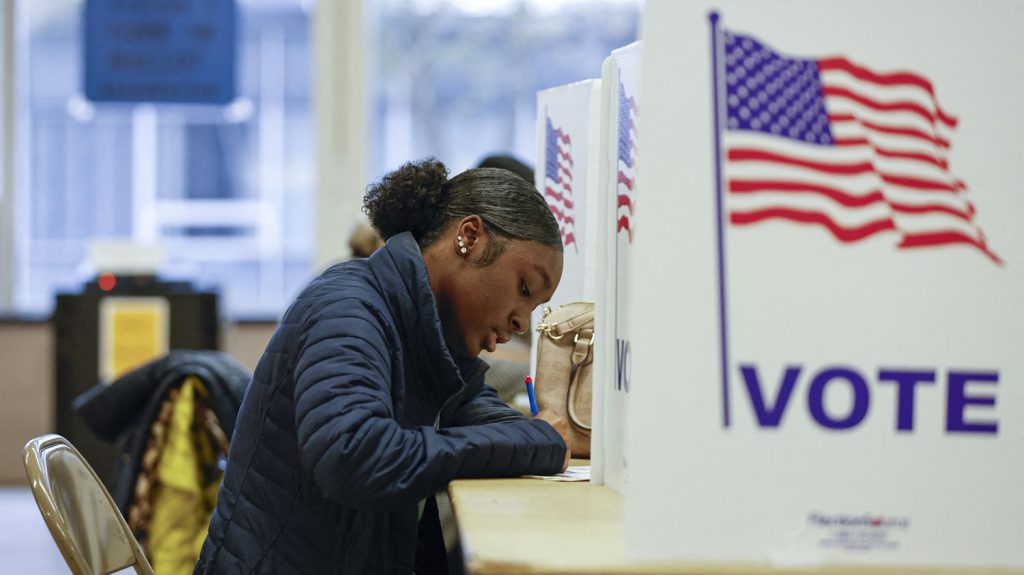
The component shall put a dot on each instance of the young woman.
(370, 396)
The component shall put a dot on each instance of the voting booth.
(827, 267)
(808, 326)
(587, 158)
(617, 222)
(568, 146)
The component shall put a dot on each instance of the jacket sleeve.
(356, 451)
(484, 407)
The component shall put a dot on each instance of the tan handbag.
(564, 368)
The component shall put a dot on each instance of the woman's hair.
(419, 198)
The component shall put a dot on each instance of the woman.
(369, 397)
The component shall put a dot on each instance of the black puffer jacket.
(335, 442)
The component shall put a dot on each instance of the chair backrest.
(89, 530)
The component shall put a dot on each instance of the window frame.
(8, 151)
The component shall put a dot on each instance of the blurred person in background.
(510, 163)
(364, 241)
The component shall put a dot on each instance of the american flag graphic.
(558, 166)
(832, 143)
(625, 189)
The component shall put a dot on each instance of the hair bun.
(409, 199)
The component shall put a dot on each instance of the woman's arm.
(483, 407)
(355, 450)
(487, 408)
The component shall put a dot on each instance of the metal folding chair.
(89, 530)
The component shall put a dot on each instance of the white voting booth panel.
(617, 224)
(565, 174)
(568, 133)
(830, 364)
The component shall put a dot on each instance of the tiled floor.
(25, 544)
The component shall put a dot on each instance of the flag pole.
(720, 215)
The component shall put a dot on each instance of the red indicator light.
(107, 281)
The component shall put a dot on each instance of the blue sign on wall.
(160, 51)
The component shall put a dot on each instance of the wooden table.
(533, 526)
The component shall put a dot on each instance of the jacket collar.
(402, 273)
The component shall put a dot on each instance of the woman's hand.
(562, 427)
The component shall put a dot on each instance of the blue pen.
(533, 396)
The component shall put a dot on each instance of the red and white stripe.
(889, 171)
(625, 196)
(558, 190)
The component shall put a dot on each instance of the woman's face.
(488, 304)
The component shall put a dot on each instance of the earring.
(462, 245)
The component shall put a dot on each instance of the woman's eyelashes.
(524, 290)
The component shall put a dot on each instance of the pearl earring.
(462, 245)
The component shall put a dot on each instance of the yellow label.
(133, 331)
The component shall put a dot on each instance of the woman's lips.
(494, 339)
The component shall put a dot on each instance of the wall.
(26, 384)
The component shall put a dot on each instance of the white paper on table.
(573, 473)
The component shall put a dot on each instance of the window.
(227, 190)
(458, 79)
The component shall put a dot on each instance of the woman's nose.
(517, 325)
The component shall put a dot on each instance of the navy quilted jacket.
(335, 442)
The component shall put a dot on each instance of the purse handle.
(581, 356)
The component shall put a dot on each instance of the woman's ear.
(471, 235)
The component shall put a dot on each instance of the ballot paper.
(573, 473)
